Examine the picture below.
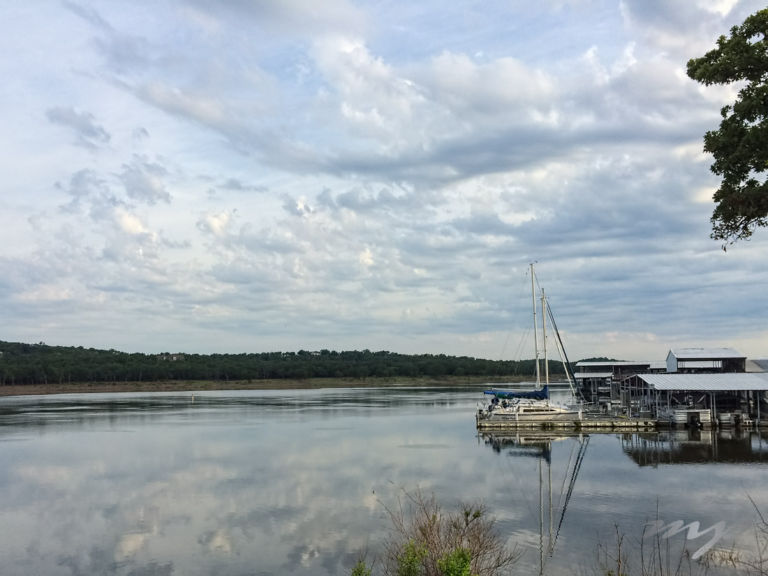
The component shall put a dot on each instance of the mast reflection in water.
(552, 508)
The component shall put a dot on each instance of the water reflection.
(553, 500)
(222, 483)
(295, 482)
(697, 446)
(535, 443)
(76, 409)
(707, 509)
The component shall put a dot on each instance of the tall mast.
(535, 326)
(544, 335)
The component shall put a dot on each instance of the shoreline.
(203, 385)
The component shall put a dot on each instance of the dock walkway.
(604, 423)
(589, 422)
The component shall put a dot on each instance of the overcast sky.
(248, 176)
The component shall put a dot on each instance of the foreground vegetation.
(425, 540)
(429, 541)
(40, 364)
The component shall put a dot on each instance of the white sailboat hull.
(532, 407)
(527, 414)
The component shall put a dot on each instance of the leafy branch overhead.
(740, 145)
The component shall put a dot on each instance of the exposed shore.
(195, 386)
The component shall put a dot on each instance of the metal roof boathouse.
(690, 360)
(598, 380)
(706, 382)
(698, 387)
(702, 387)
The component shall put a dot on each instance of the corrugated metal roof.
(608, 363)
(705, 353)
(758, 366)
(707, 382)
(581, 375)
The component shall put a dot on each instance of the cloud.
(144, 181)
(89, 14)
(292, 16)
(200, 108)
(88, 134)
(239, 186)
(365, 173)
(130, 224)
(296, 207)
(217, 224)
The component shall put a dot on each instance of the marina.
(648, 401)
(694, 388)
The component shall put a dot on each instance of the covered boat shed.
(723, 394)
(598, 380)
(699, 360)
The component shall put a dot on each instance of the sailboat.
(518, 408)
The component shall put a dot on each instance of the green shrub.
(410, 559)
(456, 563)
(361, 569)
(428, 541)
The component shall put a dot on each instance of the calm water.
(295, 482)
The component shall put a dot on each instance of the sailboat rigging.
(513, 408)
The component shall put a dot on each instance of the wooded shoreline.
(53, 367)
(281, 384)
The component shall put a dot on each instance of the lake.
(296, 482)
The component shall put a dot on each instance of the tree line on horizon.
(22, 363)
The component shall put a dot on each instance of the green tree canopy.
(740, 145)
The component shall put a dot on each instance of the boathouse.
(699, 386)
(598, 381)
(702, 399)
(705, 360)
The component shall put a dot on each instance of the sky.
(254, 176)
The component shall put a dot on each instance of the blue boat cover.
(542, 394)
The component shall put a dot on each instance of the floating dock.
(607, 423)
(588, 422)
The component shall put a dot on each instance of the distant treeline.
(43, 364)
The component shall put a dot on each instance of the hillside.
(31, 364)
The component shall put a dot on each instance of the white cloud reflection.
(297, 482)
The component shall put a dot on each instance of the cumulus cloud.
(144, 181)
(90, 193)
(216, 224)
(88, 133)
(368, 170)
(296, 206)
(504, 87)
(131, 224)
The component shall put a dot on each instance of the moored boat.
(519, 408)
(509, 408)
